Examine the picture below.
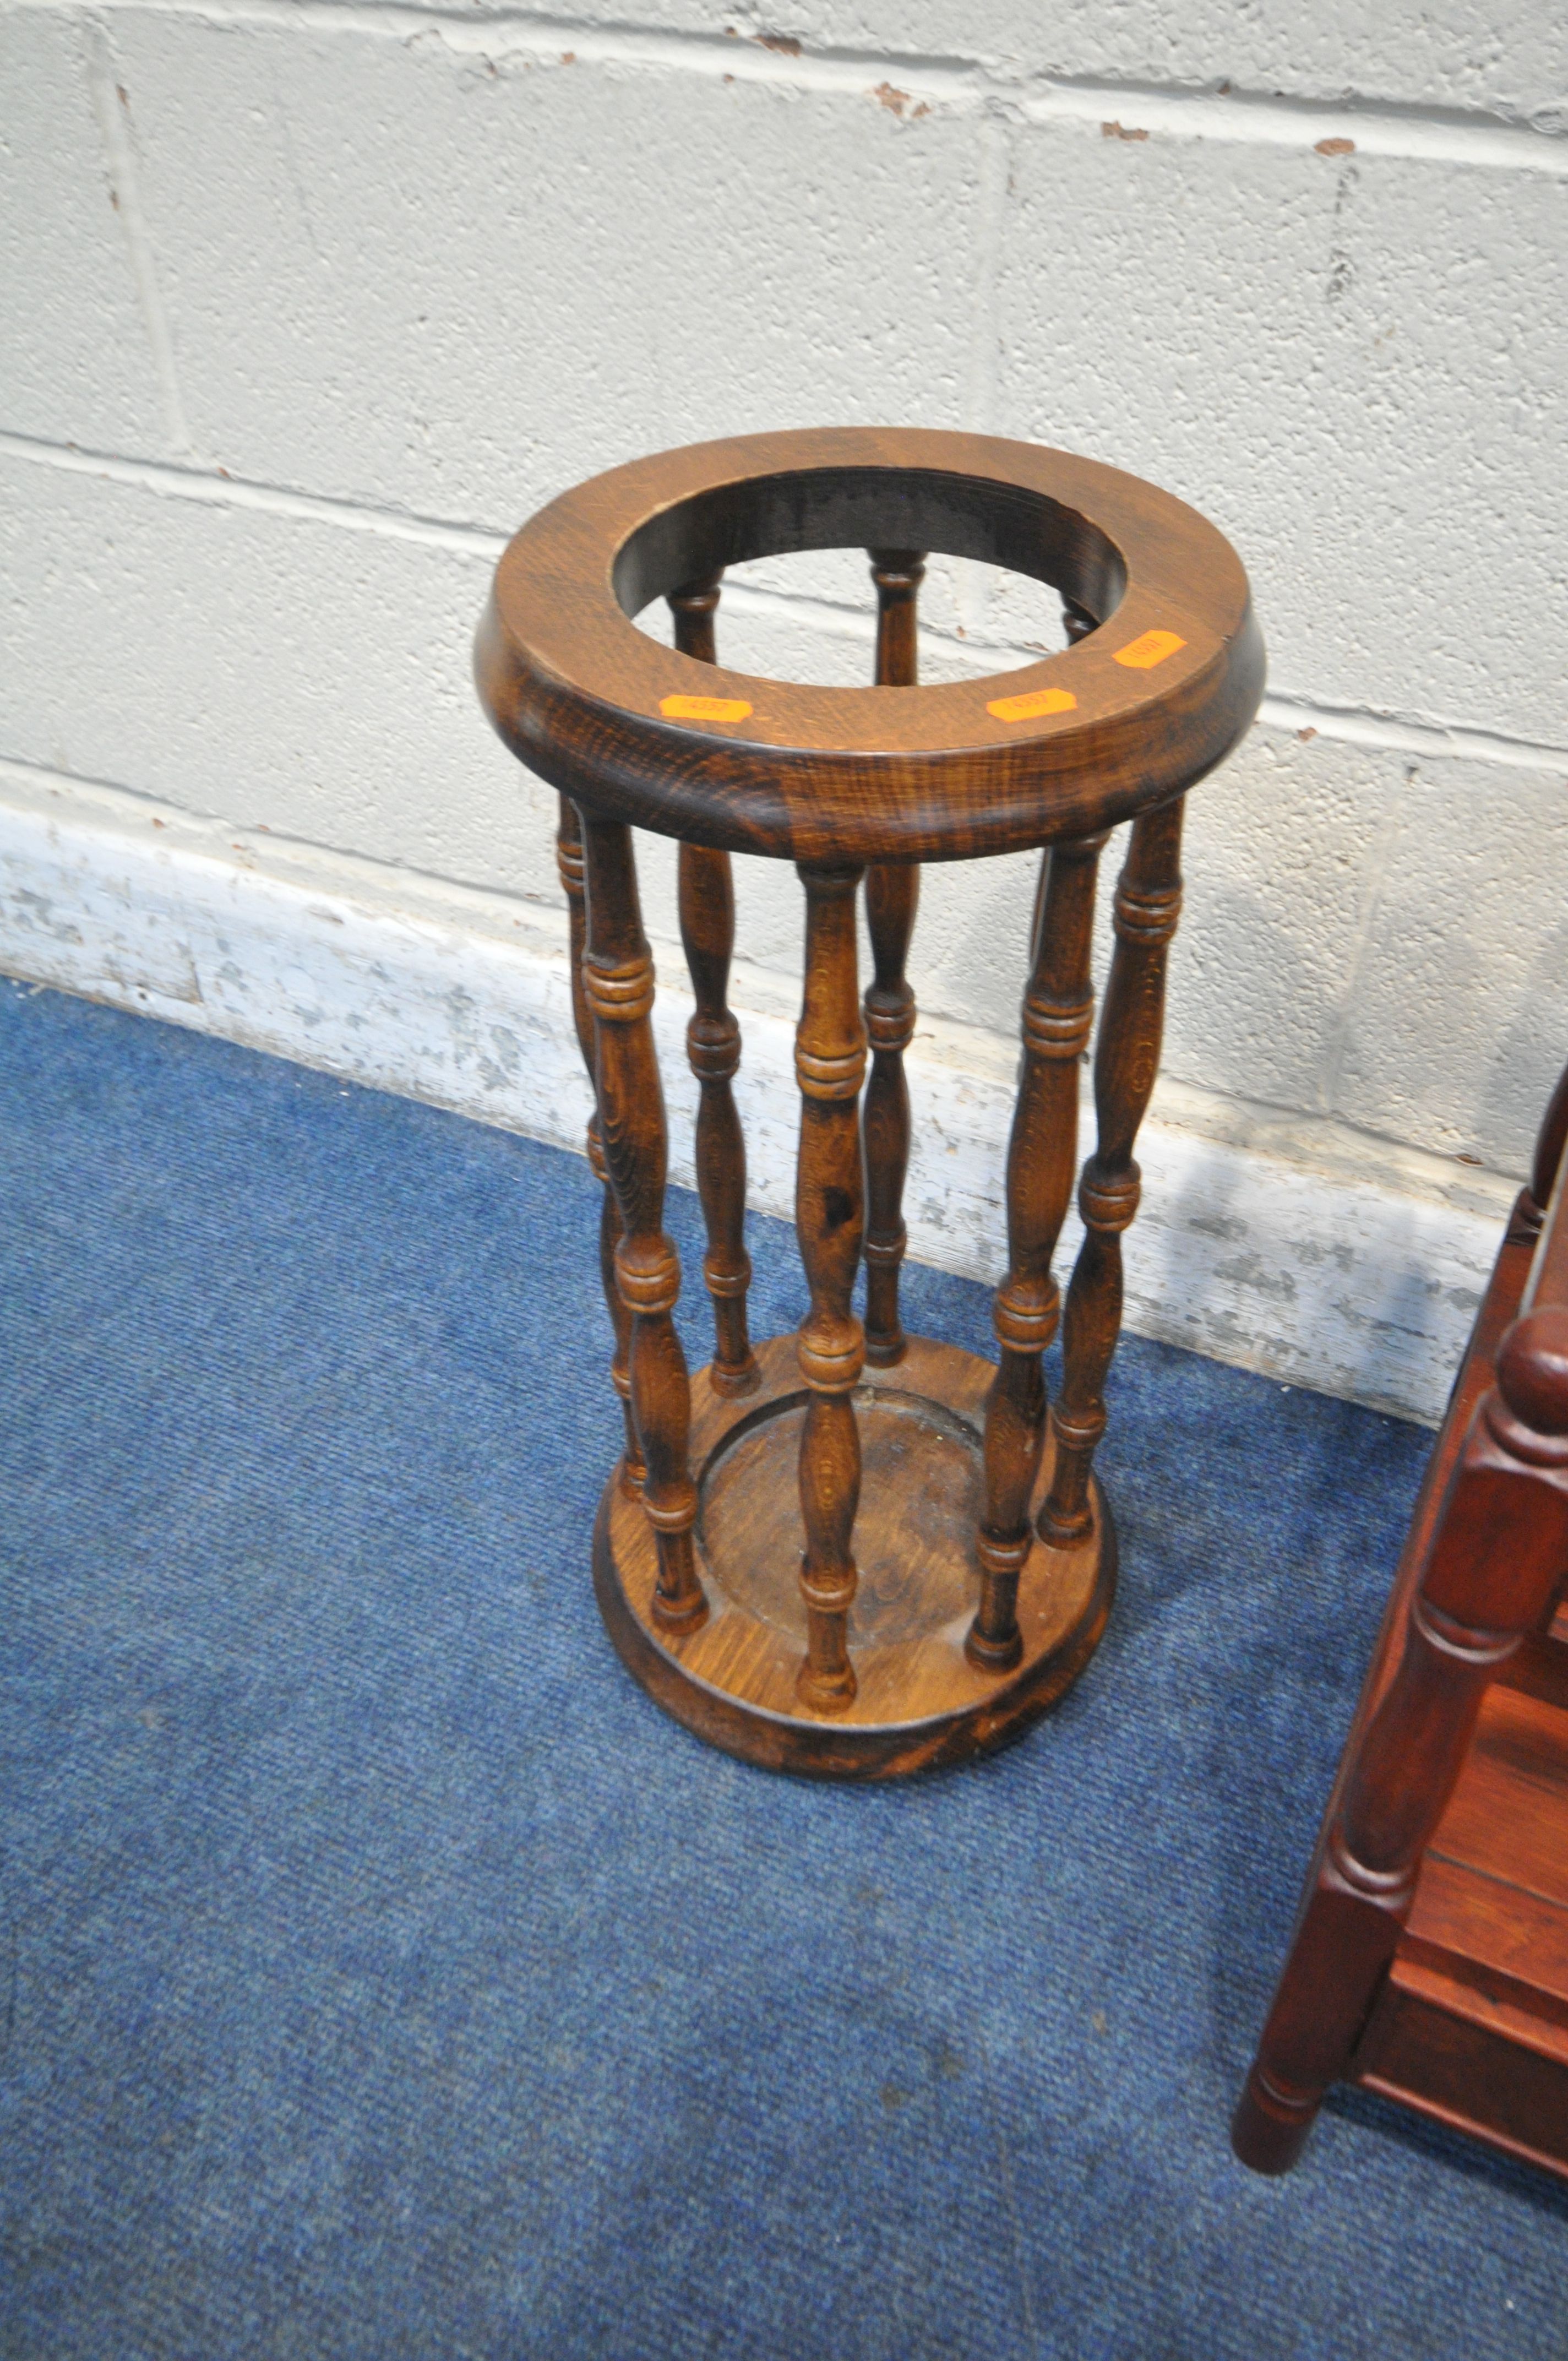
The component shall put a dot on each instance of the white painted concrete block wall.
(308, 304)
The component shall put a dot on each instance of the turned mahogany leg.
(892, 894)
(830, 1059)
(1126, 1059)
(619, 976)
(713, 1044)
(569, 862)
(1042, 1158)
(1495, 1569)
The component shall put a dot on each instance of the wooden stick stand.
(854, 1552)
(887, 1488)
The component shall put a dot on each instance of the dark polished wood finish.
(1126, 1059)
(1430, 1960)
(569, 865)
(919, 1702)
(707, 894)
(857, 1553)
(1042, 1158)
(829, 1064)
(1132, 714)
(892, 896)
(618, 973)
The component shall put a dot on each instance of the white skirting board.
(461, 998)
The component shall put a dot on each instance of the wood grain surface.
(1126, 1059)
(705, 893)
(830, 1063)
(885, 1583)
(1430, 1960)
(617, 972)
(892, 896)
(1042, 1154)
(569, 865)
(1133, 712)
(918, 1701)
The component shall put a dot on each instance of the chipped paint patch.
(898, 101)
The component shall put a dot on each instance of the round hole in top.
(934, 512)
(1130, 715)
(810, 617)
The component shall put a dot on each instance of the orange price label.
(1036, 701)
(704, 708)
(1143, 654)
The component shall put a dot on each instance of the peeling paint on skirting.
(462, 998)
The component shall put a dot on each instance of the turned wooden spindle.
(706, 892)
(619, 975)
(892, 895)
(830, 1061)
(569, 863)
(1042, 1159)
(898, 574)
(1077, 624)
(1126, 1059)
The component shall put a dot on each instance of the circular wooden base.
(919, 1701)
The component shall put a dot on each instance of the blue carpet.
(384, 1975)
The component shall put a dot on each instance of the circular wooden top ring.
(1131, 716)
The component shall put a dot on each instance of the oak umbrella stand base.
(853, 1553)
(920, 1700)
